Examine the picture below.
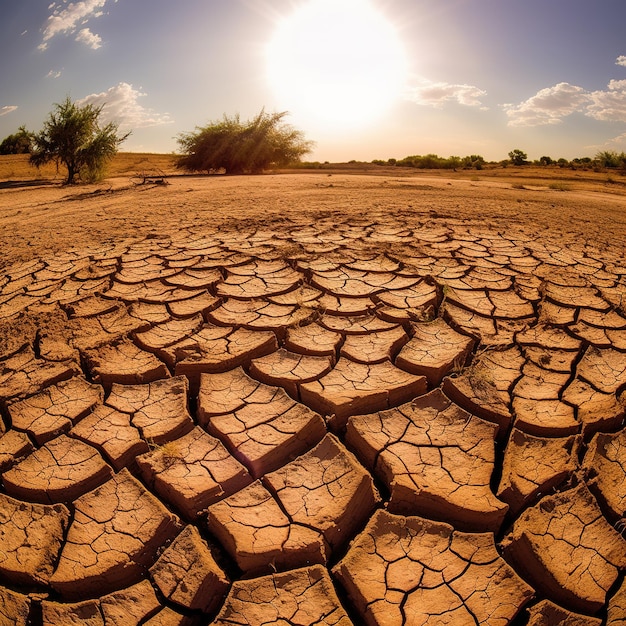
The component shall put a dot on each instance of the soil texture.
(312, 399)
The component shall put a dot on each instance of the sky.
(363, 79)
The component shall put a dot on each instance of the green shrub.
(237, 147)
(611, 159)
(20, 142)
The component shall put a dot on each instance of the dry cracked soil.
(308, 400)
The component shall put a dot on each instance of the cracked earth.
(390, 419)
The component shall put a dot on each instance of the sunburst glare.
(336, 63)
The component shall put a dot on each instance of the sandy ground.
(38, 220)
(312, 399)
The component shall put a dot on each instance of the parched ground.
(312, 399)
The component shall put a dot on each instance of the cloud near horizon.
(435, 94)
(548, 106)
(5, 110)
(621, 60)
(68, 19)
(552, 104)
(120, 104)
(616, 143)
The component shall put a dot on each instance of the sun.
(336, 63)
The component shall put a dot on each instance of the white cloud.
(121, 104)
(609, 105)
(53, 74)
(436, 94)
(548, 106)
(5, 110)
(621, 60)
(66, 20)
(90, 39)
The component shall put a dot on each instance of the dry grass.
(17, 168)
(552, 178)
(559, 186)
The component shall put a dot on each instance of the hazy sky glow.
(364, 79)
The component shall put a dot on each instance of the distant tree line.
(602, 160)
(434, 161)
(606, 159)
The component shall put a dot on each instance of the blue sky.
(477, 76)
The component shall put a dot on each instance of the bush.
(242, 147)
(473, 161)
(20, 142)
(611, 159)
(433, 161)
(72, 136)
(518, 157)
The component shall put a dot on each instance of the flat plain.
(351, 395)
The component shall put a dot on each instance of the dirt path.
(312, 400)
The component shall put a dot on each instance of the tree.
(20, 142)
(473, 161)
(610, 158)
(242, 147)
(72, 136)
(453, 162)
(518, 157)
(546, 160)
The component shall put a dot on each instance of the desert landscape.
(350, 395)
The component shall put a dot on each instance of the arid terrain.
(342, 396)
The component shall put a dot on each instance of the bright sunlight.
(336, 63)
